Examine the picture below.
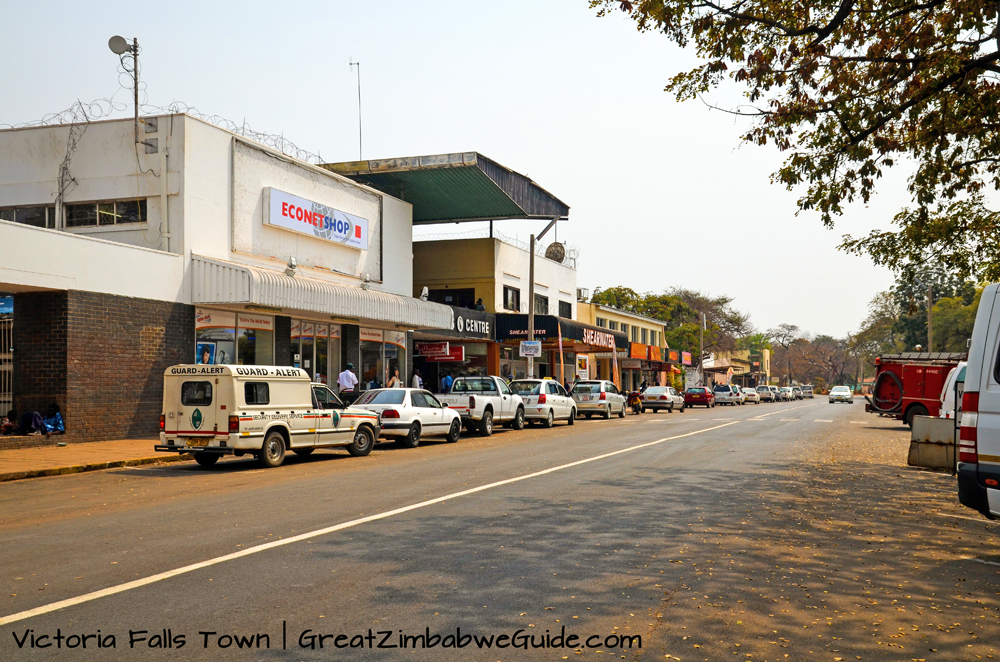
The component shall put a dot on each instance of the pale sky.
(661, 194)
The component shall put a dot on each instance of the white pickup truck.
(481, 401)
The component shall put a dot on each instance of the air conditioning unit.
(582, 294)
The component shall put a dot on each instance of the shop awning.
(514, 327)
(455, 187)
(223, 282)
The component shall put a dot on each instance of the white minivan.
(264, 411)
(979, 434)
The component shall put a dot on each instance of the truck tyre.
(454, 432)
(362, 444)
(303, 451)
(915, 410)
(518, 422)
(486, 423)
(412, 438)
(272, 453)
(572, 417)
(206, 459)
(549, 420)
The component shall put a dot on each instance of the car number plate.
(197, 442)
(585, 397)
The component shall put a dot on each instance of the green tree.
(618, 297)
(851, 89)
(954, 318)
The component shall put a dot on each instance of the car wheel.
(272, 453)
(486, 424)
(303, 451)
(683, 407)
(518, 422)
(572, 417)
(363, 443)
(412, 438)
(206, 459)
(454, 432)
(549, 420)
(670, 409)
(607, 413)
(621, 414)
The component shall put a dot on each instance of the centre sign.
(291, 212)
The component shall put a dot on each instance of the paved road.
(779, 531)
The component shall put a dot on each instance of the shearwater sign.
(300, 215)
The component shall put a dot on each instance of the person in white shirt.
(347, 379)
(417, 381)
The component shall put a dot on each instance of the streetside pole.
(701, 349)
(531, 304)
(135, 70)
(930, 326)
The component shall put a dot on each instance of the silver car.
(841, 394)
(409, 413)
(545, 400)
(662, 397)
(751, 394)
(598, 396)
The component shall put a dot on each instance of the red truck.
(910, 384)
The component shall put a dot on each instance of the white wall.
(552, 279)
(397, 247)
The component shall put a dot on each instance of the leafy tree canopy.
(850, 89)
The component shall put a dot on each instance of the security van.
(265, 411)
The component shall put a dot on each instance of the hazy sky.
(661, 194)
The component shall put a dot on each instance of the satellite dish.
(118, 45)
(556, 252)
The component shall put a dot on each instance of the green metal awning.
(450, 188)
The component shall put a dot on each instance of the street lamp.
(531, 291)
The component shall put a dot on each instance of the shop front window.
(256, 340)
(395, 355)
(215, 337)
(372, 367)
(308, 339)
(320, 373)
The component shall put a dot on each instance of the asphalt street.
(771, 532)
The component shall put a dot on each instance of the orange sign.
(638, 351)
(654, 353)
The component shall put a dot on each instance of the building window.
(601, 322)
(645, 336)
(463, 298)
(613, 325)
(102, 214)
(566, 309)
(541, 305)
(511, 298)
(635, 333)
(39, 217)
(625, 329)
(653, 338)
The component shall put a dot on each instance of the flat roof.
(454, 188)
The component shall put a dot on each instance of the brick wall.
(100, 357)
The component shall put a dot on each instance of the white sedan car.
(841, 394)
(599, 396)
(662, 397)
(409, 413)
(751, 395)
(545, 400)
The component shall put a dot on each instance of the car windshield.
(473, 385)
(587, 387)
(840, 389)
(383, 396)
(656, 389)
(526, 388)
(696, 390)
(762, 388)
(749, 390)
(721, 389)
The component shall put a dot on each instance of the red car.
(699, 395)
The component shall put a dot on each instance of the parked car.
(598, 396)
(786, 394)
(841, 394)
(979, 431)
(776, 392)
(545, 401)
(807, 391)
(482, 400)
(751, 395)
(954, 386)
(765, 393)
(656, 398)
(407, 414)
(699, 395)
(727, 394)
(797, 392)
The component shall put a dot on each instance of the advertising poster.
(583, 366)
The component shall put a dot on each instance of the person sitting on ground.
(31, 423)
(9, 424)
(53, 422)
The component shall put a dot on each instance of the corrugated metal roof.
(455, 187)
(220, 281)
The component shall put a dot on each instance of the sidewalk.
(18, 463)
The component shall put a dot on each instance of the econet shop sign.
(291, 212)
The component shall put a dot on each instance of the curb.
(96, 466)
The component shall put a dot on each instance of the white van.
(979, 434)
(216, 410)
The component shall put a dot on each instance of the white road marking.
(823, 420)
(789, 420)
(972, 558)
(859, 422)
(145, 581)
(981, 520)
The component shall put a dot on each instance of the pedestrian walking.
(347, 380)
(417, 381)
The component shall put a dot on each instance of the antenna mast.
(351, 63)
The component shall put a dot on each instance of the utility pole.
(351, 63)
(531, 293)
(701, 348)
(930, 326)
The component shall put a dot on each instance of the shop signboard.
(291, 212)
(686, 358)
(531, 348)
(583, 366)
(370, 335)
(637, 351)
(432, 348)
(251, 321)
(397, 338)
(512, 327)
(456, 353)
(631, 364)
(654, 353)
(673, 356)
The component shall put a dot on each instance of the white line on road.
(981, 520)
(859, 422)
(823, 420)
(145, 581)
(789, 420)
(972, 558)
